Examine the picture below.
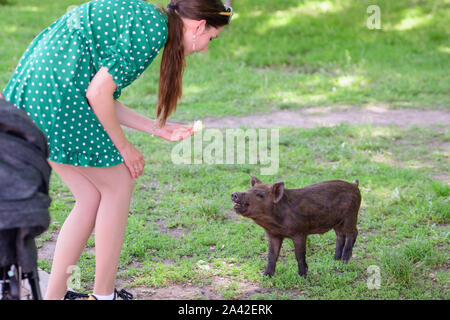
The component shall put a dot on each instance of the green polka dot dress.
(52, 76)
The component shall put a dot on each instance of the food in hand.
(198, 125)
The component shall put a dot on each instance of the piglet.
(296, 213)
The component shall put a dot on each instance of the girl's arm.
(100, 97)
(134, 120)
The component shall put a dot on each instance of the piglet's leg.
(340, 241)
(300, 254)
(274, 251)
(349, 242)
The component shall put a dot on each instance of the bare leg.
(116, 188)
(76, 229)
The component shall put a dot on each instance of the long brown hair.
(173, 59)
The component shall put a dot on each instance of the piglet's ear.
(255, 180)
(278, 191)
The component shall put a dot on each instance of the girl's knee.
(124, 182)
(84, 191)
(89, 200)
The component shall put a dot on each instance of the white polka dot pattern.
(52, 76)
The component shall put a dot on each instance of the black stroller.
(24, 199)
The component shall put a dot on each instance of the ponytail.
(173, 59)
(172, 67)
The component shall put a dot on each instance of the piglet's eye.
(259, 195)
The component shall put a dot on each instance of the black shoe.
(123, 294)
(72, 295)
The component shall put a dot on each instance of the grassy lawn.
(286, 54)
(282, 55)
(182, 214)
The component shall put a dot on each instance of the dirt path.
(328, 116)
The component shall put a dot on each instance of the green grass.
(183, 214)
(286, 54)
(282, 55)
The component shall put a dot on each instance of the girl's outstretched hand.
(175, 132)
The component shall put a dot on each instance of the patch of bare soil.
(176, 232)
(379, 115)
(175, 292)
(211, 291)
(48, 248)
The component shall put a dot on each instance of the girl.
(69, 80)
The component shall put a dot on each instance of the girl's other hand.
(133, 158)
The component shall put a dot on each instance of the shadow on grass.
(288, 54)
(391, 64)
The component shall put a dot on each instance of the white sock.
(107, 297)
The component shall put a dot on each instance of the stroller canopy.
(24, 186)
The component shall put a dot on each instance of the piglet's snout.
(234, 197)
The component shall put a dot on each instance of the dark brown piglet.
(296, 213)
